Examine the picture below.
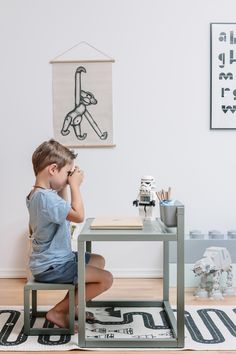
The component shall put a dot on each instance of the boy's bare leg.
(97, 261)
(59, 314)
(97, 281)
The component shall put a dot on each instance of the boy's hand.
(76, 177)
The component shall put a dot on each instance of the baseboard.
(136, 273)
(117, 273)
(13, 273)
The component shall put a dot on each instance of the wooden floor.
(11, 293)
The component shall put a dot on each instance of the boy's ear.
(52, 168)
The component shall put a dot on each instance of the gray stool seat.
(30, 313)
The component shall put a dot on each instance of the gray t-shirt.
(51, 235)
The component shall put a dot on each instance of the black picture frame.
(222, 76)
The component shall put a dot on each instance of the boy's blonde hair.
(50, 152)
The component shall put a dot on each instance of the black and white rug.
(206, 328)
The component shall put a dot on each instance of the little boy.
(52, 259)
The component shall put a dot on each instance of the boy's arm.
(63, 193)
(30, 231)
(76, 213)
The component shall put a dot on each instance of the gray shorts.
(66, 273)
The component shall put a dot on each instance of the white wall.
(161, 114)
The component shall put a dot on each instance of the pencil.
(169, 193)
(162, 194)
(158, 196)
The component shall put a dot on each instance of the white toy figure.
(146, 199)
(215, 261)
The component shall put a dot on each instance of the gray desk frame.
(152, 231)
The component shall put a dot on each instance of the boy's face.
(60, 178)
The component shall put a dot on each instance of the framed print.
(223, 76)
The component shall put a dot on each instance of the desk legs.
(172, 342)
(81, 293)
(88, 246)
(180, 276)
(166, 271)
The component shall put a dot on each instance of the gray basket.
(168, 214)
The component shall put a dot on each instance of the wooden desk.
(152, 231)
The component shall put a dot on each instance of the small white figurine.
(215, 261)
(146, 199)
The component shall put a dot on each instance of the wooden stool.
(33, 286)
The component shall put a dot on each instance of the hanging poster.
(82, 98)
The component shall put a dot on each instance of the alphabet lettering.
(222, 59)
(222, 37)
(226, 108)
(226, 76)
(232, 38)
(231, 55)
(234, 93)
(223, 90)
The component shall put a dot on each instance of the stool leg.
(34, 303)
(30, 300)
(26, 312)
(71, 310)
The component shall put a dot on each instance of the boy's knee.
(101, 261)
(108, 280)
(97, 261)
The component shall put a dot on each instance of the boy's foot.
(89, 315)
(57, 320)
(60, 319)
(76, 330)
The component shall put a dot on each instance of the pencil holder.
(168, 213)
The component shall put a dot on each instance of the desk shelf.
(152, 231)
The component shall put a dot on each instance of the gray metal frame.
(31, 288)
(152, 231)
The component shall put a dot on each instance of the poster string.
(79, 44)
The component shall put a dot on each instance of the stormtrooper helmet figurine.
(146, 199)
